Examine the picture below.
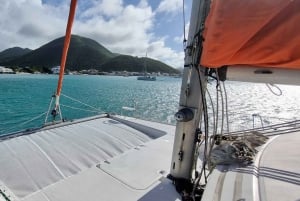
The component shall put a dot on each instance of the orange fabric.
(66, 45)
(252, 32)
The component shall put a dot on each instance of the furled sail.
(261, 33)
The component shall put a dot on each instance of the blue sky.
(123, 26)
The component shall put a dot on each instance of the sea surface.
(24, 100)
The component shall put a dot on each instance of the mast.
(71, 17)
(191, 99)
(145, 65)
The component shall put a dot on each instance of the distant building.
(55, 70)
(5, 70)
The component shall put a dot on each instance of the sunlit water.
(23, 97)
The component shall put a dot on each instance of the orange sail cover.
(252, 32)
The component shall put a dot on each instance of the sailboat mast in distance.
(145, 76)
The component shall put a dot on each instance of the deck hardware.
(180, 154)
(184, 115)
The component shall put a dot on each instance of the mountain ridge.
(84, 53)
(12, 53)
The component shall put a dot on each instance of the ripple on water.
(24, 97)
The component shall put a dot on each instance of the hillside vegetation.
(84, 53)
(13, 53)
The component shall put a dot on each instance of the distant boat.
(146, 77)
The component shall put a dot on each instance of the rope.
(78, 101)
(26, 122)
(279, 93)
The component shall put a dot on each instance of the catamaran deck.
(274, 176)
(112, 158)
(95, 159)
(279, 169)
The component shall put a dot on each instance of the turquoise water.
(23, 97)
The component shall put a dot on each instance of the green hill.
(135, 64)
(13, 53)
(84, 53)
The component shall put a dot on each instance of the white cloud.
(158, 50)
(170, 6)
(129, 32)
(108, 8)
(126, 29)
(29, 23)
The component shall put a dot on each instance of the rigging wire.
(183, 17)
(76, 108)
(78, 101)
(24, 123)
(49, 108)
(95, 110)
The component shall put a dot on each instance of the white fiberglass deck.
(279, 169)
(274, 176)
(115, 158)
(98, 159)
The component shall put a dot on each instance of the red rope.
(66, 45)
